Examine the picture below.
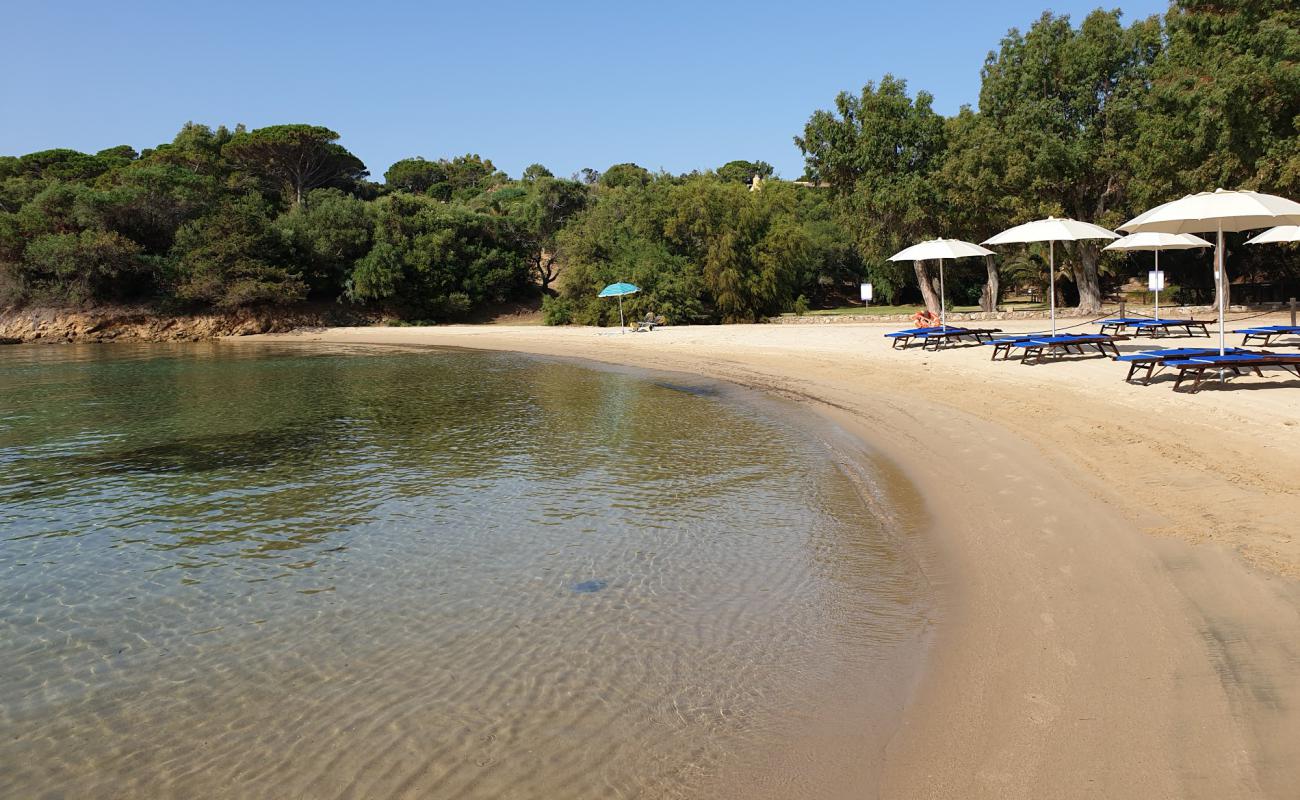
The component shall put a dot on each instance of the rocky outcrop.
(110, 324)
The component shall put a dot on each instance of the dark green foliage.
(557, 310)
(534, 171)
(415, 175)
(698, 248)
(78, 268)
(460, 179)
(234, 256)
(744, 171)
(437, 258)
(624, 175)
(327, 237)
(880, 152)
(295, 158)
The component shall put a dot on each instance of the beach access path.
(1118, 566)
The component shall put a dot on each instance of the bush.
(557, 311)
(800, 306)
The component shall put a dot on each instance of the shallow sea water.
(283, 571)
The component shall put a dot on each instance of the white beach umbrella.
(1051, 230)
(1279, 235)
(1156, 242)
(1217, 211)
(939, 249)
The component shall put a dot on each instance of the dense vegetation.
(1097, 122)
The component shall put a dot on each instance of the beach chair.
(1002, 345)
(1153, 360)
(1195, 368)
(903, 338)
(1037, 347)
(649, 323)
(1118, 324)
(1266, 333)
(1152, 327)
(932, 340)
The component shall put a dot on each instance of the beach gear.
(618, 290)
(1217, 211)
(902, 338)
(1051, 230)
(1152, 327)
(932, 338)
(938, 250)
(1117, 324)
(1277, 235)
(1196, 367)
(1153, 360)
(1266, 333)
(1156, 241)
(1038, 346)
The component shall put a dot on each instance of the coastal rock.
(117, 323)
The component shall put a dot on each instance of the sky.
(669, 85)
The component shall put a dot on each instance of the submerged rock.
(588, 587)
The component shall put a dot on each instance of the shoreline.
(1089, 644)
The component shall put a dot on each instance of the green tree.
(1061, 106)
(85, 267)
(438, 258)
(415, 175)
(534, 172)
(744, 171)
(233, 257)
(880, 151)
(539, 215)
(624, 175)
(326, 238)
(297, 157)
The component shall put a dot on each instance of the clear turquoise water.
(272, 571)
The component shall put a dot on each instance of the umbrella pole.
(621, 326)
(1157, 286)
(1051, 279)
(1223, 290)
(943, 307)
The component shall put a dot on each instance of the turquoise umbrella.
(618, 290)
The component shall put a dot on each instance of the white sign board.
(866, 292)
(1155, 280)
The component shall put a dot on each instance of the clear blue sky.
(672, 85)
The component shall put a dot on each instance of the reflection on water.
(271, 571)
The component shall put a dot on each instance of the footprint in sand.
(1042, 711)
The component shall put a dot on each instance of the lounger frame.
(1195, 368)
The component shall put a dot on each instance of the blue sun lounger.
(933, 340)
(1153, 326)
(1117, 324)
(1037, 345)
(903, 338)
(1151, 360)
(1265, 333)
(1195, 368)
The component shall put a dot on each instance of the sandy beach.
(1118, 565)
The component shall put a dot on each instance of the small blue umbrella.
(618, 290)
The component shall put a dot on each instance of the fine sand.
(1119, 565)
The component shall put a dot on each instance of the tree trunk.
(545, 269)
(1084, 270)
(928, 294)
(991, 293)
(1226, 289)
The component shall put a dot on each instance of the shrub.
(557, 311)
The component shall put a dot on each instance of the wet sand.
(1118, 563)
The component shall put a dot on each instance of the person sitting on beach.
(924, 319)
